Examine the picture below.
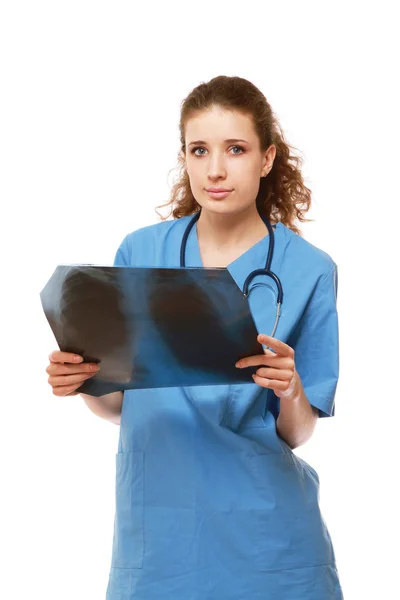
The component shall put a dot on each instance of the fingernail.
(238, 365)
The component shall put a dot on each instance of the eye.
(240, 148)
(193, 150)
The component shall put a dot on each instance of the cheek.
(196, 179)
(247, 176)
(247, 189)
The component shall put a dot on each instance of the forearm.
(297, 419)
(106, 407)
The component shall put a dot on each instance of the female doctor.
(211, 501)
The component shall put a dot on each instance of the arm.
(297, 418)
(109, 406)
(303, 373)
(106, 407)
(316, 345)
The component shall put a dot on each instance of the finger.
(65, 390)
(273, 360)
(249, 361)
(57, 381)
(58, 356)
(278, 362)
(277, 345)
(274, 384)
(277, 374)
(269, 352)
(68, 369)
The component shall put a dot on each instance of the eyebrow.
(226, 141)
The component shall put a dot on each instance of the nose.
(216, 167)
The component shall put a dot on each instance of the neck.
(228, 231)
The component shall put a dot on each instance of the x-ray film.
(152, 327)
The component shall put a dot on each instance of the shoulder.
(303, 254)
(149, 245)
(157, 231)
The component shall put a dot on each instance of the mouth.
(218, 194)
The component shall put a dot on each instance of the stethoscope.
(266, 271)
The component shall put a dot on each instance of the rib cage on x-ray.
(152, 327)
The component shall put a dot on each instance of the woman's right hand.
(67, 372)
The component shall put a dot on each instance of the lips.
(218, 194)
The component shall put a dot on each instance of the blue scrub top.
(211, 504)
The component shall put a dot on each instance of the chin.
(219, 207)
(223, 207)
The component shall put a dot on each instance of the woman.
(211, 501)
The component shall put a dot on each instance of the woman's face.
(233, 164)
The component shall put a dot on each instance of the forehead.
(216, 124)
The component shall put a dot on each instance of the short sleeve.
(123, 254)
(316, 345)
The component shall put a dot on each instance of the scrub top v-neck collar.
(253, 258)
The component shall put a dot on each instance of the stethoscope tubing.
(266, 271)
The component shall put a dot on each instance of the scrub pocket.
(291, 530)
(128, 541)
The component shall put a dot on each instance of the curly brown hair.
(282, 195)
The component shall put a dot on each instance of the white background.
(90, 99)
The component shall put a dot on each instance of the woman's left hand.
(278, 371)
